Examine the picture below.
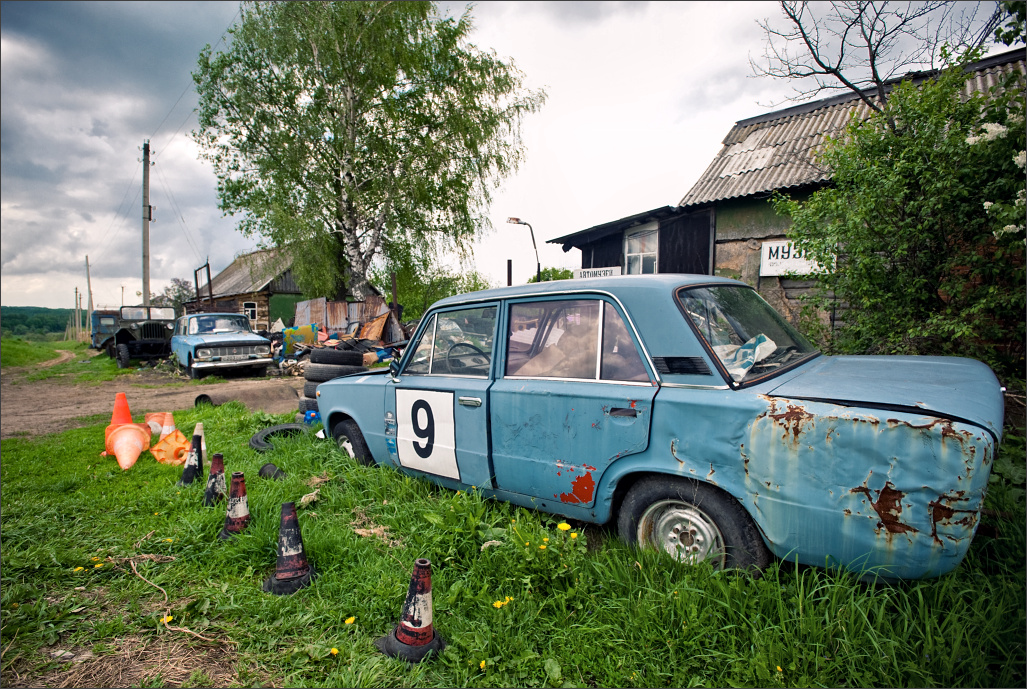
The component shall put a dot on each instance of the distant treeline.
(19, 321)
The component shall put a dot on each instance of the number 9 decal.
(425, 434)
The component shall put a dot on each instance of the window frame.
(647, 228)
(433, 324)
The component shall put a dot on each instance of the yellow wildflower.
(350, 620)
(79, 569)
(482, 665)
(513, 521)
(574, 534)
(170, 540)
(156, 513)
(779, 669)
(563, 526)
(545, 540)
(541, 547)
(165, 620)
(527, 543)
(335, 651)
(498, 604)
(98, 566)
(94, 559)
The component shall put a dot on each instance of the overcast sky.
(640, 97)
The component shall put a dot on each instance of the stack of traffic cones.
(414, 637)
(216, 488)
(292, 571)
(238, 512)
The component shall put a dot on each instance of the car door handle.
(470, 401)
(623, 411)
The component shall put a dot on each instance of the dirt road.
(48, 406)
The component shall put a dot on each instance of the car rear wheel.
(123, 356)
(692, 522)
(349, 439)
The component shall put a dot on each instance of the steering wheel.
(468, 345)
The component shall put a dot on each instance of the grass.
(15, 351)
(583, 611)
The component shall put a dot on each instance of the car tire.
(261, 441)
(310, 388)
(193, 372)
(348, 438)
(123, 356)
(260, 371)
(338, 357)
(322, 372)
(658, 510)
(307, 404)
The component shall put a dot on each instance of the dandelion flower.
(574, 534)
(545, 540)
(170, 540)
(98, 566)
(94, 559)
(563, 526)
(482, 665)
(498, 604)
(541, 547)
(350, 620)
(527, 543)
(79, 569)
(779, 669)
(513, 521)
(156, 513)
(335, 651)
(166, 619)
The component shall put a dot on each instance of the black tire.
(124, 357)
(323, 372)
(193, 372)
(337, 357)
(262, 440)
(310, 388)
(349, 439)
(259, 371)
(658, 510)
(307, 404)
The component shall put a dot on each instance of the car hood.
(949, 387)
(219, 339)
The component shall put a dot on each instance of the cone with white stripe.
(238, 513)
(292, 572)
(216, 489)
(414, 637)
(194, 462)
(167, 425)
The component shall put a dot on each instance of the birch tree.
(344, 131)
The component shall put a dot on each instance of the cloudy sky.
(640, 96)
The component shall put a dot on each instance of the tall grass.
(583, 611)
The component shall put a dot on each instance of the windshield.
(220, 323)
(749, 337)
(139, 313)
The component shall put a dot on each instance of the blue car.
(205, 342)
(686, 411)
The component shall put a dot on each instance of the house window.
(250, 309)
(640, 249)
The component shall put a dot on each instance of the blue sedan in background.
(686, 411)
(205, 342)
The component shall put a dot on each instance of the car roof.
(629, 286)
(213, 313)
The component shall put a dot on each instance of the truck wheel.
(349, 439)
(692, 522)
(123, 356)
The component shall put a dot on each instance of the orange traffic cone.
(292, 571)
(155, 420)
(414, 637)
(120, 416)
(127, 441)
(172, 449)
(167, 425)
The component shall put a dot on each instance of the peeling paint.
(888, 507)
(582, 490)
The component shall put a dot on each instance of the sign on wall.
(596, 272)
(781, 257)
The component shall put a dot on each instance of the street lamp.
(538, 265)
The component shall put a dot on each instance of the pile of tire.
(324, 364)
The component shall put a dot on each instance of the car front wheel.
(124, 357)
(349, 439)
(692, 522)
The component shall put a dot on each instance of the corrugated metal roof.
(249, 273)
(778, 150)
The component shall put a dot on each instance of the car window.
(162, 313)
(133, 313)
(554, 339)
(455, 343)
(621, 360)
(748, 336)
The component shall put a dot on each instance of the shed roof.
(778, 150)
(591, 234)
(250, 273)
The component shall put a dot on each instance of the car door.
(440, 404)
(575, 395)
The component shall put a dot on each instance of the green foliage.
(37, 321)
(176, 293)
(549, 274)
(584, 611)
(926, 220)
(1015, 14)
(421, 281)
(18, 352)
(350, 130)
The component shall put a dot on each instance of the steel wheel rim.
(684, 532)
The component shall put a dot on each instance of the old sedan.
(687, 411)
(205, 342)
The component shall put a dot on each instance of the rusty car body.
(685, 409)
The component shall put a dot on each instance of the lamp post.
(538, 264)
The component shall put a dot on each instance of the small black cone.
(216, 489)
(237, 513)
(292, 572)
(415, 636)
(194, 462)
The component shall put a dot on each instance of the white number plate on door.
(426, 435)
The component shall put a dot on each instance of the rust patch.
(582, 490)
(888, 507)
(792, 419)
(942, 511)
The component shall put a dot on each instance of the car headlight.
(203, 353)
(262, 350)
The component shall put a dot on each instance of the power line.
(166, 186)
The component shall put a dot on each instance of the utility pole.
(89, 287)
(75, 312)
(147, 215)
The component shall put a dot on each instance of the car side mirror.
(394, 370)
